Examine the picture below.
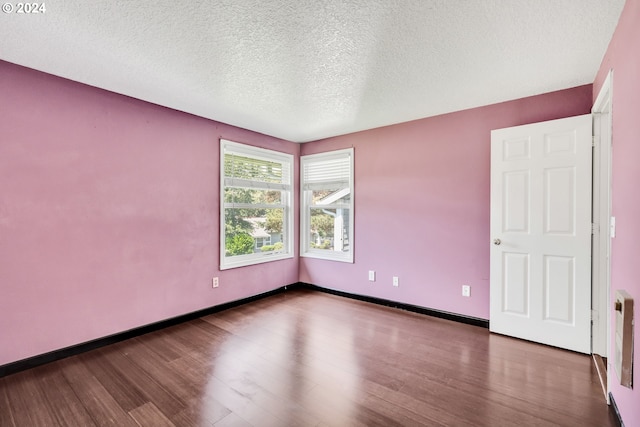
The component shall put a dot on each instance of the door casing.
(601, 253)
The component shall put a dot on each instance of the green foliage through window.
(256, 204)
(327, 205)
(239, 244)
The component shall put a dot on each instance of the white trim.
(604, 96)
(331, 206)
(286, 203)
(256, 205)
(247, 183)
(601, 258)
(253, 151)
(306, 205)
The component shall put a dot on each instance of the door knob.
(496, 241)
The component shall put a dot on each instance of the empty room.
(319, 213)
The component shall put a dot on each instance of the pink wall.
(109, 208)
(623, 57)
(109, 211)
(422, 204)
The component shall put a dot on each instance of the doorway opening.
(602, 230)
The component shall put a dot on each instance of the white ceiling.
(304, 70)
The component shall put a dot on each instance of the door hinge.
(594, 228)
(593, 140)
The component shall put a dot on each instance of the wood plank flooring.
(306, 358)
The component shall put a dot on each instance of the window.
(326, 201)
(256, 217)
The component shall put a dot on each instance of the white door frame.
(601, 274)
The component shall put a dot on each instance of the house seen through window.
(327, 205)
(256, 205)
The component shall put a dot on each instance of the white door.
(541, 232)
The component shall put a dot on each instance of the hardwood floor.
(306, 358)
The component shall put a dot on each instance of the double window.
(326, 215)
(256, 215)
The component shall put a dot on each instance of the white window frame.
(305, 205)
(286, 203)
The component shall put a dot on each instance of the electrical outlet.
(466, 290)
(372, 276)
(395, 281)
(215, 282)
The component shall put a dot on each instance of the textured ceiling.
(304, 70)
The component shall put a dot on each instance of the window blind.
(330, 172)
(255, 205)
(250, 170)
(327, 205)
